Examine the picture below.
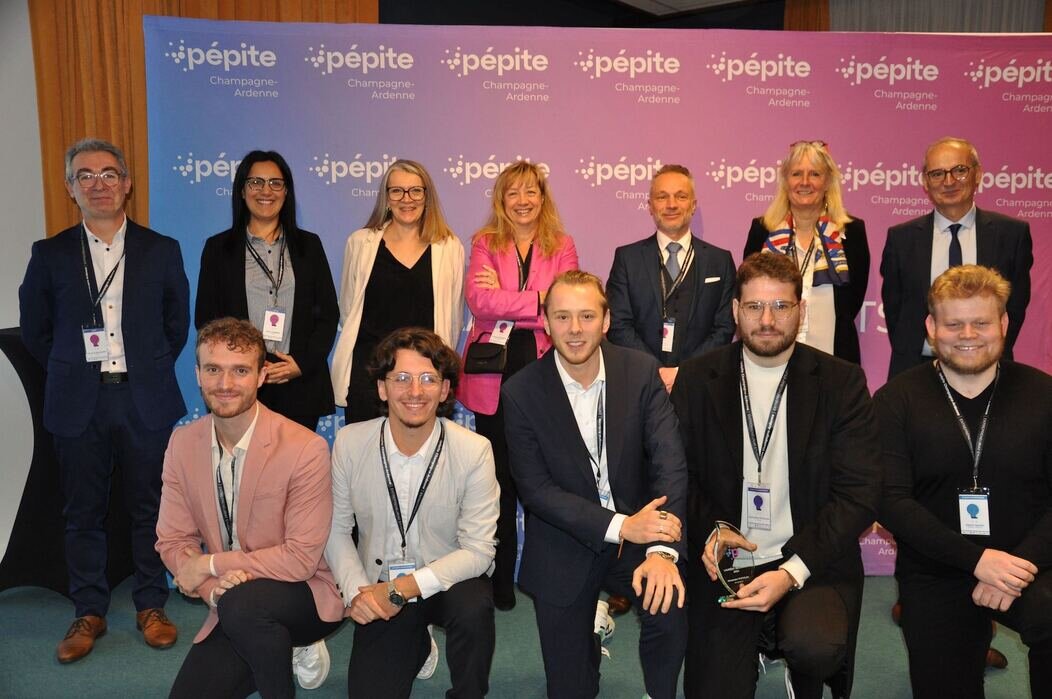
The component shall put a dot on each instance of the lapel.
(234, 257)
(696, 271)
(76, 254)
(727, 404)
(921, 242)
(651, 252)
(134, 268)
(256, 459)
(561, 414)
(616, 408)
(206, 484)
(802, 403)
(985, 239)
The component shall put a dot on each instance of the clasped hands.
(194, 571)
(283, 371)
(1002, 578)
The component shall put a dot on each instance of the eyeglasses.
(404, 379)
(816, 144)
(959, 172)
(86, 179)
(255, 184)
(779, 309)
(399, 193)
(663, 197)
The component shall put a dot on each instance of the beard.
(770, 347)
(976, 364)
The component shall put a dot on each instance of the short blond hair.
(969, 281)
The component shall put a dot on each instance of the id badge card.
(400, 569)
(604, 498)
(96, 348)
(501, 332)
(758, 506)
(668, 334)
(974, 507)
(274, 324)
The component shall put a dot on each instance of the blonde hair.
(816, 154)
(433, 226)
(969, 281)
(498, 231)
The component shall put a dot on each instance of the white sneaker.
(431, 664)
(311, 664)
(604, 623)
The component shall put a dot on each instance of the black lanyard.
(760, 451)
(524, 265)
(88, 269)
(274, 283)
(393, 494)
(975, 448)
(666, 293)
(600, 428)
(224, 509)
(790, 250)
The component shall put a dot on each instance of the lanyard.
(975, 448)
(393, 494)
(224, 509)
(522, 265)
(95, 301)
(275, 283)
(600, 428)
(666, 293)
(760, 451)
(808, 256)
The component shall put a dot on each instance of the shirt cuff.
(796, 567)
(664, 549)
(613, 532)
(212, 565)
(428, 582)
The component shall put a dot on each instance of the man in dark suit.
(105, 308)
(670, 293)
(781, 442)
(955, 233)
(593, 439)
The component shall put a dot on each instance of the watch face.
(396, 598)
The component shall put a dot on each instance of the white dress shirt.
(681, 256)
(103, 257)
(231, 465)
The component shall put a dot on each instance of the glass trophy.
(734, 563)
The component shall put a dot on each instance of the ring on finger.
(662, 514)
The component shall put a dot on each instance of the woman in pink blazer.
(514, 259)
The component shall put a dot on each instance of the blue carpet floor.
(33, 620)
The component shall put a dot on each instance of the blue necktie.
(956, 256)
(672, 263)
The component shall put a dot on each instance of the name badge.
(501, 332)
(973, 505)
(274, 324)
(96, 348)
(758, 506)
(400, 569)
(668, 334)
(604, 499)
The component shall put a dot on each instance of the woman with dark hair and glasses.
(808, 222)
(269, 271)
(404, 268)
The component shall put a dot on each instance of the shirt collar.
(118, 237)
(967, 221)
(569, 381)
(425, 448)
(663, 241)
(246, 438)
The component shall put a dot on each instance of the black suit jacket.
(834, 455)
(847, 299)
(1001, 242)
(315, 314)
(566, 526)
(634, 293)
(155, 318)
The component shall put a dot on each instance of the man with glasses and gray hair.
(955, 233)
(422, 493)
(105, 309)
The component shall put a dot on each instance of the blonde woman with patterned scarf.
(808, 222)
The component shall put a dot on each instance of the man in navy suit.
(105, 309)
(955, 233)
(597, 458)
(670, 293)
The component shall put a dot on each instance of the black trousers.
(386, 655)
(115, 438)
(571, 650)
(814, 629)
(250, 650)
(492, 428)
(947, 634)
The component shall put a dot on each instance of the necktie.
(956, 256)
(672, 263)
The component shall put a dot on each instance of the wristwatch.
(666, 555)
(394, 596)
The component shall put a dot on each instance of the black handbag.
(485, 358)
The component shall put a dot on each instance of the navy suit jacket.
(566, 525)
(634, 293)
(54, 307)
(315, 314)
(1001, 242)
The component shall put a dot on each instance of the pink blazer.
(284, 509)
(481, 392)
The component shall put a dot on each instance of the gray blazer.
(457, 519)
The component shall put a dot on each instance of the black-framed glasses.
(404, 379)
(255, 184)
(399, 193)
(779, 309)
(959, 173)
(86, 179)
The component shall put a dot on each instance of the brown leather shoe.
(619, 604)
(157, 629)
(80, 638)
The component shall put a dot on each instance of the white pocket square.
(709, 280)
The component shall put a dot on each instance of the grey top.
(260, 290)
